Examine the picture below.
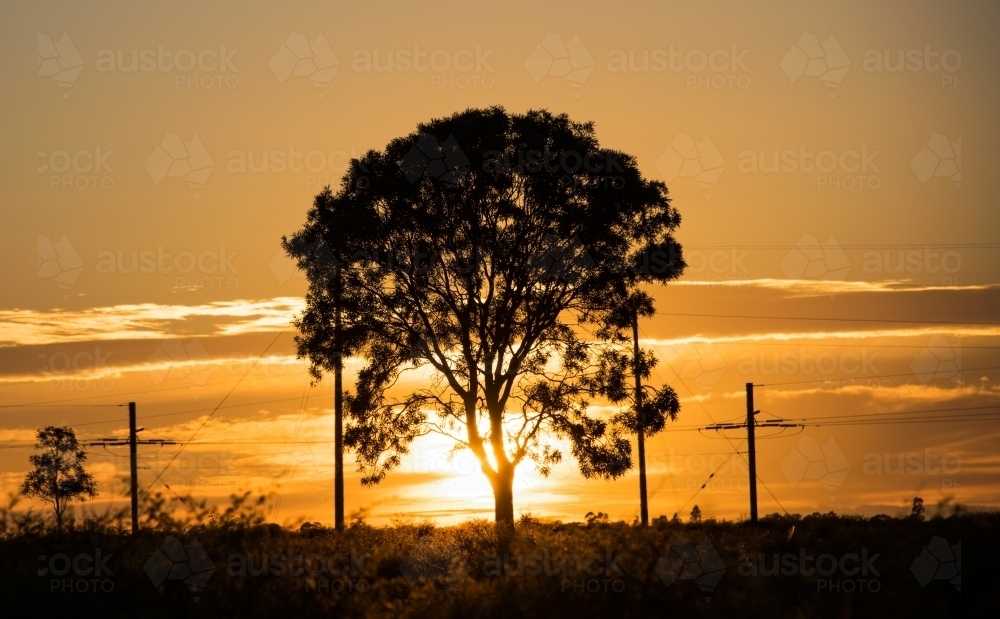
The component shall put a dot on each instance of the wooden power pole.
(752, 453)
(133, 457)
(750, 426)
(640, 434)
(338, 414)
(133, 443)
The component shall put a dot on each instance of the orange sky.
(814, 182)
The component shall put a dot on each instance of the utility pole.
(133, 443)
(338, 414)
(133, 440)
(643, 501)
(751, 425)
(752, 454)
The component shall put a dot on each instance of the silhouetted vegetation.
(58, 477)
(551, 569)
(477, 247)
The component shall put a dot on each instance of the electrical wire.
(207, 419)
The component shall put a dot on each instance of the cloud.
(20, 327)
(854, 334)
(817, 288)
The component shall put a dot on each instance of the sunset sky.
(832, 162)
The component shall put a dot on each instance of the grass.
(548, 569)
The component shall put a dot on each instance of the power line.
(830, 319)
(900, 422)
(709, 478)
(202, 410)
(250, 369)
(918, 412)
(115, 395)
(58, 405)
(878, 376)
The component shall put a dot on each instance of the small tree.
(696, 514)
(59, 477)
(917, 510)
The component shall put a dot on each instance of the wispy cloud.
(890, 397)
(19, 327)
(854, 334)
(816, 287)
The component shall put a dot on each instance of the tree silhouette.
(489, 240)
(695, 514)
(645, 416)
(335, 322)
(59, 477)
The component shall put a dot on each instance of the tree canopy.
(481, 248)
(58, 477)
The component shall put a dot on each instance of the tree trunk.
(503, 496)
(643, 501)
(338, 421)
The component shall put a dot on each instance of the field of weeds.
(232, 564)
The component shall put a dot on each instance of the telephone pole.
(752, 453)
(133, 443)
(338, 413)
(133, 457)
(643, 501)
(751, 425)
